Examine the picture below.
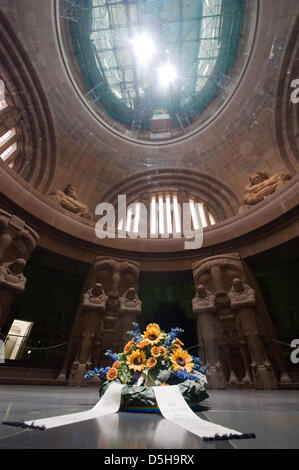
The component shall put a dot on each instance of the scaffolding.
(201, 37)
(70, 10)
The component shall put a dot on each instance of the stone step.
(30, 381)
(10, 371)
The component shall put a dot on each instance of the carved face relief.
(238, 285)
(128, 280)
(201, 291)
(97, 290)
(17, 266)
(104, 276)
(71, 191)
(130, 295)
(257, 178)
(205, 279)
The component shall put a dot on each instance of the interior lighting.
(167, 74)
(144, 48)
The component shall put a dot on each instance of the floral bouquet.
(151, 359)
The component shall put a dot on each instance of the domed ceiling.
(149, 68)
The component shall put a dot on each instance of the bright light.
(144, 48)
(153, 216)
(161, 215)
(167, 74)
(168, 214)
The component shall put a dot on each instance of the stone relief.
(107, 309)
(68, 199)
(260, 186)
(237, 328)
(17, 241)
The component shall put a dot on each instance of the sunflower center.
(181, 362)
(137, 361)
(152, 337)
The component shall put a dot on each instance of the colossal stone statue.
(244, 333)
(129, 309)
(17, 241)
(12, 282)
(115, 297)
(90, 327)
(243, 301)
(261, 186)
(68, 199)
(203, 306)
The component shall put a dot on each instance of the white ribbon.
(174, 408)
(108, 403)
(170, 401)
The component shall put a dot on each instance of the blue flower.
(135, 333)
(111, 355)
(184, 375)
(171, 336)
(198, 365)
(101, 373)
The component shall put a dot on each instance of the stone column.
(17, 241)
(89, 343)
(12, 283)
(243, 301)
(203, 306)
(247, 324)
(117, 277)
(226, 323)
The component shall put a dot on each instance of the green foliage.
(133, 396)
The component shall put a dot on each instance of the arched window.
(164, 215)
(8, 137)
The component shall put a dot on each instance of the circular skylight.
(154, 65)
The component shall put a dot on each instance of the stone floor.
(272, 415)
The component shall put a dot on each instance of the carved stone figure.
(241, 294)
(12, 282)
(244, 329)
(204, 300)
(203, 306)
(227, 331)
(243, 301)
(88, 343)
(93, 306)
(95, 297)
(11, 275)
(17, 239)
(116, 279)
(68, 199)
(261, 186)
(129, 309)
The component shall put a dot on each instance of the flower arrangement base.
(152, 359)
(142, 399)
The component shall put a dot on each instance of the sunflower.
(151, 362)
(111, 374)
(153, 334)
(155, 351)
(176, 346)
(142, 344)
(128, 346)
(136, 360)
(163, 351)
(115, 364)
(181, 360)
